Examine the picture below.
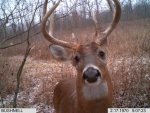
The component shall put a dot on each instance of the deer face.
(90, 61)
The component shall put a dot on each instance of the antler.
(49, 36)
(116, 17)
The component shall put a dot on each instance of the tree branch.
(24, 60)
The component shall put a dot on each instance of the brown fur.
(68, 96)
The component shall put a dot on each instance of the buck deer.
(91, 90)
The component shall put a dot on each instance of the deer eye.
(101, 54)
(77, 58)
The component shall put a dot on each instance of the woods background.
(28, 73)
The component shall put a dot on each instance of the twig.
(28, 49)
(8, 46)
(2, 101)
(7, 17)
(19, 76)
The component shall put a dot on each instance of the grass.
(128, 62)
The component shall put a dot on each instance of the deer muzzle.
(91, 74)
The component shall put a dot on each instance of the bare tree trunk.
(19, 73)
(97, 5)
(131, 7)
(1, 96)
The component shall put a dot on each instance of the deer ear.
(59, 52)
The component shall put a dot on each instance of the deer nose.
(91, 75)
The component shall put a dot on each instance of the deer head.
(93, 82)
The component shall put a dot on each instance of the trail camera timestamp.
(129, 110)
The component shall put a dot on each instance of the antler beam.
(49, 36)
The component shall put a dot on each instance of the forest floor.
(39, 78)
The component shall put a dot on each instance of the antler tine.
(49, 36)
(116, 17)
(45, 7)
(96, 24)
